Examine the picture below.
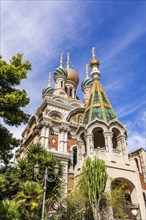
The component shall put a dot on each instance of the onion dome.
(86, 81)
(94, 61)
(60, 72)
(72, 74)
(48, 89)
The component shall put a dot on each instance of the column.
(65, 173)
(61, 137)
(66, 139)
(47, 135)
(79, 152)
(89, 144)
(122, 143)
(108, 141)
(43, 132)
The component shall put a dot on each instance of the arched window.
(116, 133)
(99, 141)
(61, 84)
(74, 156)
(80, 119)
(84, 141)
(70, 92)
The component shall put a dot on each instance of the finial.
(68, 59)
(87, 70)
(61, 59)
(93, 53)
(49, 80)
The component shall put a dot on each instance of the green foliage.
(95, 177)
(75, 205)
(10, 179)
(29, 199)
(9, 210)
(7, 143)
(15, 184)
(118, 199)
(12, 100)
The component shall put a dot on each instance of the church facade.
(73, 129)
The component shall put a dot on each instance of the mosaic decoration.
(96, 97)
(86, 117)
(109, 114)
(103, 97)
(98, 106)
(97, 113)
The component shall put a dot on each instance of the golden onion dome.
(72, 75)
(94, 62)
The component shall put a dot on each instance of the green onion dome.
(86, 82)
(60, 72)
(47, 90)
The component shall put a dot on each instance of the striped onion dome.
(86, 82)
(47, 90)
(60, 72)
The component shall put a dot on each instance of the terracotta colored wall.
(70, 143)
(54, 144)
(134, 155)
(70, 184)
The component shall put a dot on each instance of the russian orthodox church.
(73, 129)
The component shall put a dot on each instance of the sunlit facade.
(73, 129)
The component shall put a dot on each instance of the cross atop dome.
(94, 61)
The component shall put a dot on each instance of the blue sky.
(44, 29)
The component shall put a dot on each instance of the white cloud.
(136, 130)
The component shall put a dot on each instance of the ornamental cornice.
(49, 125)
(63, 128)
(35, 132)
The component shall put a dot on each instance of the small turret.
(60, 75)
(86, 85)
(48, 89)
(72, 80)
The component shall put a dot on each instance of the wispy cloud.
(44, 29)
(136, 132)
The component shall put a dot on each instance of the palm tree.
(9, 210)
(29, 198)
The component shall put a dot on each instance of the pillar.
(43, 133)
(121, 139)
(89, 144)
(108, 141)
(47, 134)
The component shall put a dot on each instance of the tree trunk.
(97, 214)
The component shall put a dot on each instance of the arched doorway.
(123, 195)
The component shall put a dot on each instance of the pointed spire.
(49, 79)
(61, 60)
(87, 70)
(68, 59)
